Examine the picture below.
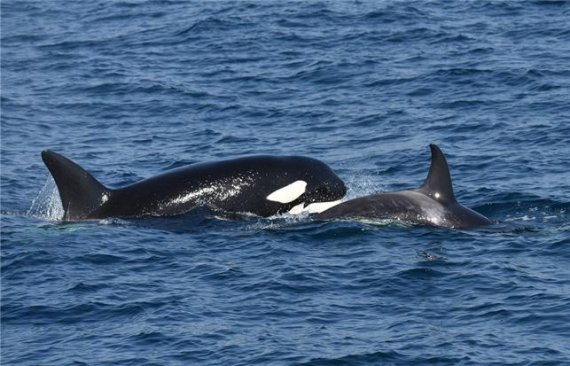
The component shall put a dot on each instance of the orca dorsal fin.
(80, 193)
(438, 182)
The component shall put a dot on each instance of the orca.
(261, 185)
(433, 203)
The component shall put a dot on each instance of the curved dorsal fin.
(438, 182)
(80, 193)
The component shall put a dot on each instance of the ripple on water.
(134, 88)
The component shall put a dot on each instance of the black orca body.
(433, 203)
(261, 185)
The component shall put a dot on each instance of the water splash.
(47, 204)
(359, 185)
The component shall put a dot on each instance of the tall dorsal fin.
(438, 182)
(80, 193)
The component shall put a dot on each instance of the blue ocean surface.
(130, 89)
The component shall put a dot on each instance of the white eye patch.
(289, 193)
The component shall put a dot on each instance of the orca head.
(323, 185)
(317, 186)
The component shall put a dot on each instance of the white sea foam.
(47, 204)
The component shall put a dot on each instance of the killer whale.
(433, 203)
(263, 185)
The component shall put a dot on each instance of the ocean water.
(129, 89)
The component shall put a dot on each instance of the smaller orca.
(261, 185)
(431, 204)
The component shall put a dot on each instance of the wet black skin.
(434, 203)
(235, 186)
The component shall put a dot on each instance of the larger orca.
(261, 185)
(433, 203)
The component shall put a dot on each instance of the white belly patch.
(316, 207)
